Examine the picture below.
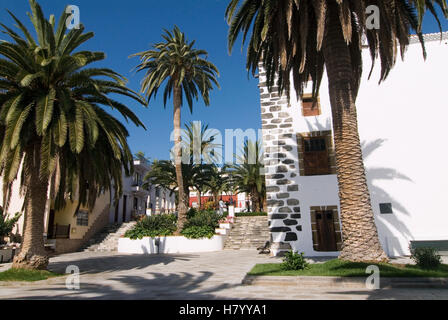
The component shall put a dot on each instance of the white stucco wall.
(402, 125)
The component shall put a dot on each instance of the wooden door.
(50, 231)
(325, 231)
(117, 211)
(125, 200)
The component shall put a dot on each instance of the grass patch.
(27, 275)
(338, 268)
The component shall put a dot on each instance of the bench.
(440, 245)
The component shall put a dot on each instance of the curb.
(344, 282)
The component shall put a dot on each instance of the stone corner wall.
(282, 167)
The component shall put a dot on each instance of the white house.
(137, 201)
(402, 126)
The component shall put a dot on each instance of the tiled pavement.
(215, 275)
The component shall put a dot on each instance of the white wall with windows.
(403, 131)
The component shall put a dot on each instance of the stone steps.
(248, 233)
(107, 239)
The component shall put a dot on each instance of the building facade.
(137, 201)
(241, 201)
(402, 127)
(66, 232)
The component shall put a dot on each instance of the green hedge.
(199, 224)
(251, 214)
(153, 226)
(198, 232)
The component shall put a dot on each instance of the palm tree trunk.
(255, 197)
(32, 252)
(216, 198)
(360, 235)
(199, 198)
(182, 208)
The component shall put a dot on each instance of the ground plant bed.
(336, 273)
(338, 268)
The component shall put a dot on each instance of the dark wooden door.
(117, 211)
(125, 200)
(50, 232)
(325, 231)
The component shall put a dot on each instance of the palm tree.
(163, 173)
(301, 38)
(216, 182)
(248, 174)
(187, 75)
(53, 127)
(199, 141)
(141, 156)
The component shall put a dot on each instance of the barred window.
(82, 218)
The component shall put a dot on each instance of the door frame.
(336, 227)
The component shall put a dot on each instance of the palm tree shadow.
(379, 195)
(174, 286)
(317, 126)
(113, 263)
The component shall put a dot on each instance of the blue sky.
(125, 27)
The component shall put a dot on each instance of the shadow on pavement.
(185, 286)
(112, 263)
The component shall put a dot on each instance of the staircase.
(248, 233)
(107, 239)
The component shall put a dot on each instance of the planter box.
(170, 245)
(6, 255)
(225, 225)
(222, 231)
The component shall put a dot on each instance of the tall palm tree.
(163, 173)
(199, 141)
(301, 38)
(187, 75)
(248, 174)
(216, 181)
(53, 126)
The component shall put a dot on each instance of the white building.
(137, 201)
(67, 232)
(402, 126)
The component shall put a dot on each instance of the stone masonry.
(280, 146)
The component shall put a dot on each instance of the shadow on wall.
(390, 228)
(389, 237)
(317, 126)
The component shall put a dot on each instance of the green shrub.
(198, 232)
(6, 225)
(294, 261)
(191, 213)
(251, 214)
(153, 226)
(204, 218)
(426, 258)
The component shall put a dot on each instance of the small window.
(386, 208)
(310, 106)
(82, 218)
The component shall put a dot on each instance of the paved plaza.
(215, 275)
